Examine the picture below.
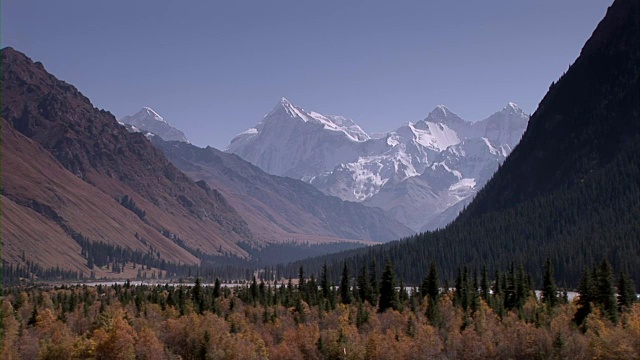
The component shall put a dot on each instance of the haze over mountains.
(416, 172)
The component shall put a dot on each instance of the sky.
(214, 68)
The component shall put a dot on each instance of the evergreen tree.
(373, 283)
(324, 281)
(523, 286)
(457, 299)
(585, 297)
(606, 295)
(626, 292)
(549, 288)
(301, 279)
(345, 286)
(511, 293)
(217, 288)
(197, 297)
(388, 294)
(432, 291)
(403, 295)
(431, 284)
(474, 294)
(484, 284)
(364, 287)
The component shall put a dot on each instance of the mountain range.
(79, 189)
(280, 209)
(568, 192)
(416, 173)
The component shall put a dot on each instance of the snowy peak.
(148, 112)
(442, 114)
(147, 120)
(285, 110)
(513, 108)
(506, 126)
(285, 107)
(441, 110)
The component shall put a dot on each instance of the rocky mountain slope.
(70, 164)
(280, 208)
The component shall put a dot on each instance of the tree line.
(368, 314)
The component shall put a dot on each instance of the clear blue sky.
(215, 68)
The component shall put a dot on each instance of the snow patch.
(463, 183)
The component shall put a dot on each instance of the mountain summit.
(150, 121)
(293, 142)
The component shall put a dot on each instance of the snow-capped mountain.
(417, 172)
(505, 127)
(148, 120)
(432, 200)
(292, 142)
(452, 179)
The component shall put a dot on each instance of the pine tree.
(216, 288)
(474, 294)
(430, 285)
(388, 294)
(301, 279)
(457, 299)
(364, 288)
(345, 286)
(511, 294)
(373, 283)
(324, 282)
(432, 291)
(549, 288)
(606, 295)
(197, 297)
(585, 297)
(484, 284)
(626, 292)
(403, 295)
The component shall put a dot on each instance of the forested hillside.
(570, 190)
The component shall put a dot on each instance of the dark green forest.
(570, 190)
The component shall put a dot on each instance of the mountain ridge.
(289, 207)
(111, 163)
(570, 190)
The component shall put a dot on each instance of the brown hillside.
(85, 160)
(41, 199)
